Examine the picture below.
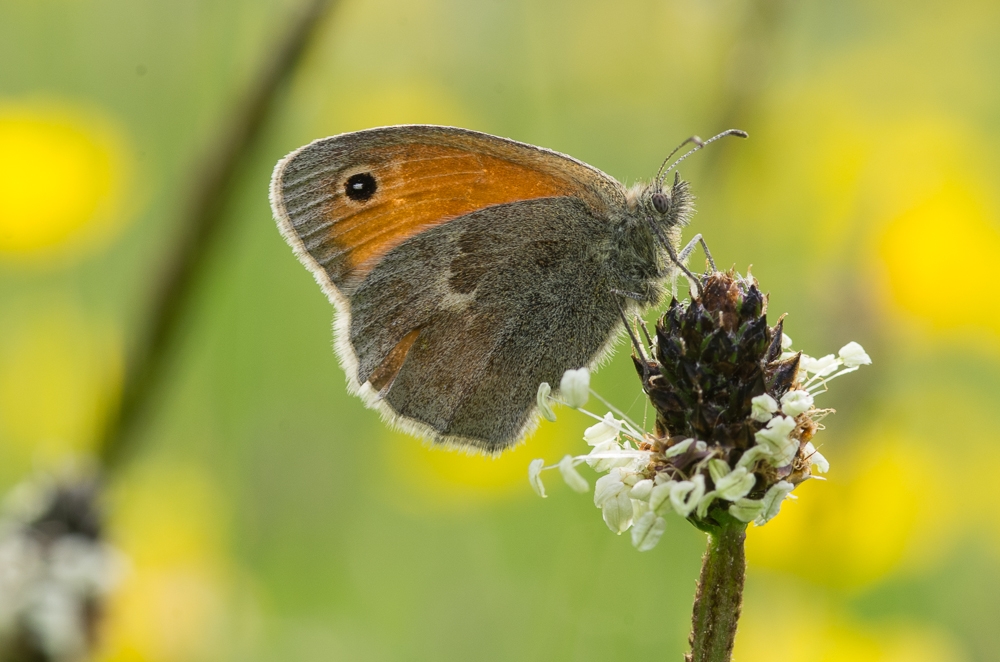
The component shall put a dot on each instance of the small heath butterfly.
(466, 269)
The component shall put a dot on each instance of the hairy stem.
(212, 186)
(719, 596)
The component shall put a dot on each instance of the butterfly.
(466, 269)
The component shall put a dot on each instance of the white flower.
(542, 399)
(772, 501)
(786, 342)
(705, 502)
(597, 458)
(735, 485)
(796, 402)
(746, 510)
(685, 494)
(763, 408)
(820, 367)
(647, 531)
(816, 459)
(752, 455)
(642, 490)
(617, 511)
(607, 487)
(574, 387)
(606, 430)
(576, 482)
(610, 455)
(535, 476)
(611, 495)
(775, 438)
(718, 468)
(853, 354)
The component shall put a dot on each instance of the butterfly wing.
(463, 267)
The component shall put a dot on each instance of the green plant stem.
(212, 187)
(719, 596)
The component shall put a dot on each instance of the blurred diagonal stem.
(719, 597)
(212, 186)
(754, 51)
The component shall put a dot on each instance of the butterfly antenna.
(660, 177)
(693, 139)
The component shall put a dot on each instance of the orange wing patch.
(417, 186)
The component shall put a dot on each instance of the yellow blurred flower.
(451, 479)
(58, 372)
(866, 521)
(940, 256)
(784, 625)
(62, 175)
(170, 521)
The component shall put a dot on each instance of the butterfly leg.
(637, 321)
(687, 250)
(631, 332)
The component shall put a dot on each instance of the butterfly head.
(669, 206)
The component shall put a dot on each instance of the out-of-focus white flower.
(746, 510)
(535, 476)
(796, 402)
(816, 459)
(819, 367)
(576, 482)
(853, 354)
(607, 429)
(786, 342)
(55, 570)
(55, 614)
(542, 399)
(574, 387)
(763, 408)
(775, 438)
(772, 501)
(647, 531)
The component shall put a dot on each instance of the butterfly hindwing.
(512, 302)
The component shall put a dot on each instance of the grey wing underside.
(499, 300)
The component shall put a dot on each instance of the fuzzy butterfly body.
(466, 269)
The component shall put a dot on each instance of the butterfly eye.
(661, 202)
(361, 186)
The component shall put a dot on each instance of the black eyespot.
(361, 186)
(661, 202)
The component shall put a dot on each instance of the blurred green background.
(269, 516)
